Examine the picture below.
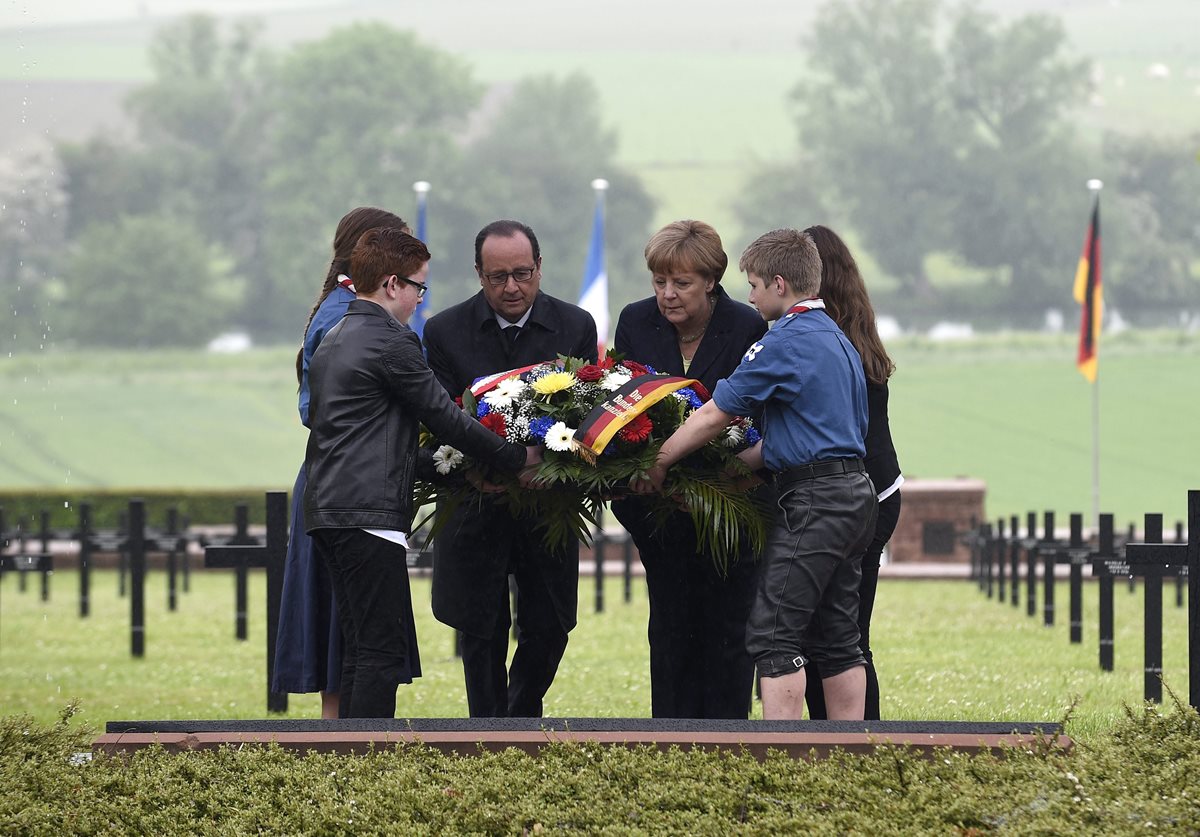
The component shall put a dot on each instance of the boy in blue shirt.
(808, 381)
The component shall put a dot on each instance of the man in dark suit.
(510, 323)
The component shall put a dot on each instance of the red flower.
(638, 430)
(495, 422)
(635, 369)
(591, 372)
(702, 391)
(458, 401)
(606, 362)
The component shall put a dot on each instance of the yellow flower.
(554, 382)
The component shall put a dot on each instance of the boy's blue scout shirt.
(808, 380)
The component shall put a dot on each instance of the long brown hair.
(353, 224)
(849, 305)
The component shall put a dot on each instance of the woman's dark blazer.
(645, 335)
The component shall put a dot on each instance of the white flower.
(502, 395)
(613, 381)
(517, 430)
(446, 459)
(559, 436)
(733, 437)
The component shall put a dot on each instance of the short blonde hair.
(789, 253)
(686, 247)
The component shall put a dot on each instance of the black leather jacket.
(370, 388)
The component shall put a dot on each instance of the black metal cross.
(271, 556)
(1013, 557)
(1029, 546)
(1154, 559)
(973, 540)
(1074, 553)
(1106, 565)
(29, 560)
(989, 547)
(1048, 548)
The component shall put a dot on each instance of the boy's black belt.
(812, 470)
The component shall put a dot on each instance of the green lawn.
(1018, 415)
(943, 651)
(1010, 410)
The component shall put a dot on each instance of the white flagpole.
(1095, 186)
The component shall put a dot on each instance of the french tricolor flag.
(594, 297)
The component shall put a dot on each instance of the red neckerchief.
(810, 304)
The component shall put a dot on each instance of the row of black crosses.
(132, 542)
(997, 559)
(26, 552)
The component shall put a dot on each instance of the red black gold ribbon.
(628, 402)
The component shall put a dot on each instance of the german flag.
(1089, 295)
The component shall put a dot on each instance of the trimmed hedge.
(1141, 778)
(203, 507)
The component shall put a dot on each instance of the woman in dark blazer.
(849, 305)
(699, 667)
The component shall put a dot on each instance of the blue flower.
(539, 426)
(482, 409)
(753, 437)
(692, 398)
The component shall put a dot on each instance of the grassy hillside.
(696, 91)
(1009, 410)
(167, 418)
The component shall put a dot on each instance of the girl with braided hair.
(308, 651)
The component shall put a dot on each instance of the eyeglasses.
(521, 275)
(420, 286)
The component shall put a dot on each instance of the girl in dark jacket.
(849, 305)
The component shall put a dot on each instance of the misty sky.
(19, 13)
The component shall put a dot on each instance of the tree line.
(928, 128)
(922, 129)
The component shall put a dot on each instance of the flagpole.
(1094, 186)
(600, 186)
(421, 187)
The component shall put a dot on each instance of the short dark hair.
(506, 229)
(383, 252)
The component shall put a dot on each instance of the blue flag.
(417, 320)
(594, 297)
